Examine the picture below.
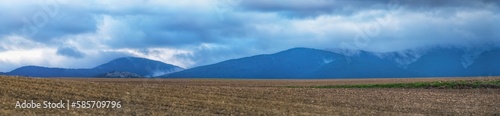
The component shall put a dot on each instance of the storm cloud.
(70, 52)
(79, 34)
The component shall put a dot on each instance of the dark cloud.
(314, 8)
(45, 22)
(70, 52)
(310, 8)
(139, 31)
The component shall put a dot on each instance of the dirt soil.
(246, 97)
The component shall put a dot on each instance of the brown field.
(246, 97)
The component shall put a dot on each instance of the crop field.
(256, 97)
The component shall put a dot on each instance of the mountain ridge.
(314, 63)
(262, 66)
(142, 66)
(306, 63)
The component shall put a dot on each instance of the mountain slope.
(487, 64)
(311, 63)
(141, 66)
(362, 65)
(293, 63)
(37, 71)
(439, 62)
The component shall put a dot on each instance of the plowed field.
(246, 97)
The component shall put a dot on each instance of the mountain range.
(140, 66)
(305, 63)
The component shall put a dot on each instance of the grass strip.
(462, 84)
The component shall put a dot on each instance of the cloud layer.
(82, 34)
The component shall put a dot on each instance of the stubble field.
(247, 97)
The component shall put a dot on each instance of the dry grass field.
(247, 97)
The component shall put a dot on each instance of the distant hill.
(37, 71)
(361, 65)
(439, 62)
(305, 63)
(293, 63)
(487, 64)
(141, 66)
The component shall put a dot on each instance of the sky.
(190, 33)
